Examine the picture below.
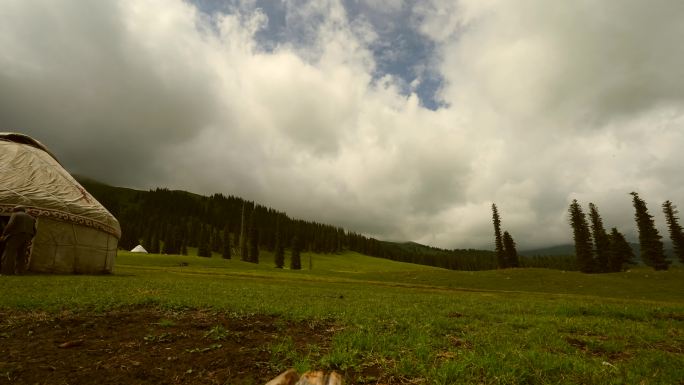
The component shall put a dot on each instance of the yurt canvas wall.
(75, 233)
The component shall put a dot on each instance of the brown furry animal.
(290, 377)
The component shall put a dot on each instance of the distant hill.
(563, 250)
(551, 250)
(456, 259)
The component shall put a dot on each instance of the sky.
(402, 120)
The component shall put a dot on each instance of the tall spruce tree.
(652, 250)
(226, 254)
(510, 251)
(279, 257)
(128, 238)
(216, 241)
(177, 239)
(498, 242)
(169, 243)
(147, 241)
(601, 240)
(244, 255)
(676, 232)
(582, 237)
(194, 231)
(203, 247)
(253, 239)
(295, 259)
(154, 246)
(621, 253)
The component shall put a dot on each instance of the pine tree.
(676, 232)
(498, 242)
(583, 246)
(279, 248)
(226, 243)
(216, 241)
(194, 233)
(244, 255)
(652, 250)
(601, 240)
(129, 239)
(154, 245)
(167, 248)
(147, 242)
(621, 254)
(295, 259)
(171, 241)
(253, 239)
(177, 239)
(510, 253)
(203, 249)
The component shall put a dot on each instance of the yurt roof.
(32, 177)
(25, 139)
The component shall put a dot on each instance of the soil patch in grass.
(149, 346)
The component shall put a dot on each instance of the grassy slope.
(414, 322)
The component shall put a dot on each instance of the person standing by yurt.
(17, 236)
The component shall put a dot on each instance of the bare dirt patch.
(150, 346)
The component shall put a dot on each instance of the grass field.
(401, 323)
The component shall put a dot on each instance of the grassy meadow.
(410, 324)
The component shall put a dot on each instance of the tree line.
(169, 222)
(471, 259)
(600, 252)
(596, 249)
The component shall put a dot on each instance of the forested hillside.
(170, 221)
(164, 220)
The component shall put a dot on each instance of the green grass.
(414, 323)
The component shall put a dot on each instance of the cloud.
(103, 83)
(582, 62)
(574, 100)
(300, 105)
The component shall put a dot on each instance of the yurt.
(75, 233)
(139, 249)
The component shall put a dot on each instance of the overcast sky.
(403, 120)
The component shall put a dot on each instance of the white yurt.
(75, 233)
(139, 249)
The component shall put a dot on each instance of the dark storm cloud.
(77, 78)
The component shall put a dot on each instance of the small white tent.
(76, 234)
(139, 249)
